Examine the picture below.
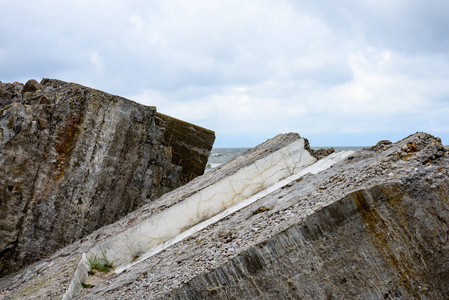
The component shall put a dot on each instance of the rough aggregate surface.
(73, 159)
(373, 226)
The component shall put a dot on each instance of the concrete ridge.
(205, 207)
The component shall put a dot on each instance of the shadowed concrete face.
(190, 144)
(73, 159)
(370, 225)
(206, 203)
(207, 206)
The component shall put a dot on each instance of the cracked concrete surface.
(136, 243)
(73, 159)
(374, 225)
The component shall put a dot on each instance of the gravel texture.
(313, 238)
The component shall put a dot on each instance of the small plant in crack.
(261, 209)
(136, 255)
(99, 263)
(87, 285)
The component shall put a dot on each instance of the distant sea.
(219, 156)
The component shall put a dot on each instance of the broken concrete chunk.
(381, 145)
(375, 234)
(353, 225)
(190, 144)
(31, 86)
(87, 158)
(204, 204)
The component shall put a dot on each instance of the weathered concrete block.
(190, 144)
(73, 159)
(368, 245)
(140, 240)
(371, 225)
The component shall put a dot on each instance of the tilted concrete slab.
(311, 169)
(205, 203)
(373, 225)
(74, 159)
(27, 283)
(139, 241)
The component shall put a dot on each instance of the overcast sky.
(337, 72)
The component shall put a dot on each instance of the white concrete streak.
(313, 169)
(204, 208)
(204, 204)
(80, 276)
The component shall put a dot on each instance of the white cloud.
(251, 69)
(96, 60)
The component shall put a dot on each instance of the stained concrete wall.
(376, 243)
(372, 225)
(205, 204)
(73, 159)
(190, 144)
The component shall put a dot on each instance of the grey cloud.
(320, 66)
(408, 26)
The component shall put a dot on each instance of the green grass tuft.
(100, 264)
(87, 285)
